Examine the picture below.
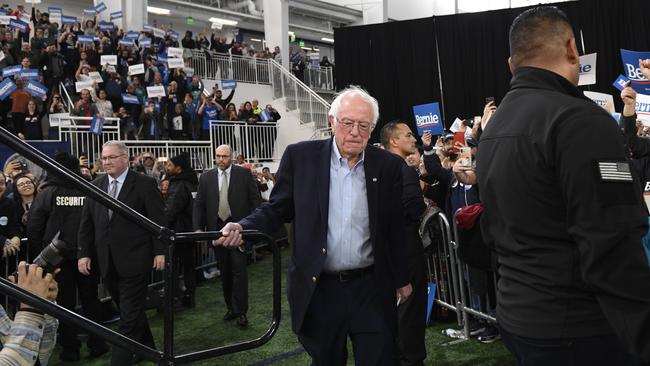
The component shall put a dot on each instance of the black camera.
(51, 257)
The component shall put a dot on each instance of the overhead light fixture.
(158, 11)
(291, 33)
(256, 40)
(310, 49)
(223, 21)
(330, 40)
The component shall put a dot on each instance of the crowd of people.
(60, 53)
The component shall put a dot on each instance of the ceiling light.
(327, 39)
(291, 33)
(158, 11)
(223, 21)
(310, 49)
(256, 40)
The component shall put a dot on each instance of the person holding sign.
(562, 211)
(210, 110)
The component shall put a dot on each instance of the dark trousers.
(356, 309)
(129, 294)
(184, 257)
(412, 317)
(72, 282)
(604, 350)
(234, 278)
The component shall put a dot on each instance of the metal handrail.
(298, 82)
(164, 234)
(65, 91)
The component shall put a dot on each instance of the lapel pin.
(374, 179)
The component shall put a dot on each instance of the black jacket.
(9, 222)
(566, 223)
(180, 201)
(57, 208)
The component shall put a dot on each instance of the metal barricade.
(223, 66)
(82, 140)
(256, 141)
(319, 77)
(169, 238)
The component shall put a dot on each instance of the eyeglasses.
(348, 125)
(112, 157)
(24, 184)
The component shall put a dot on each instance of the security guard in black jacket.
(57, 209)
(562, 210)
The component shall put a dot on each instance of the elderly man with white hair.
(347, 271)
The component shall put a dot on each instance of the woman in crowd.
(104, 106)
(24, 193)
(247, 114)
(230, 113)
(32, 129)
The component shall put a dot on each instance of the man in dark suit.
(125, 252)
(348, 267)
(397, 138)
(228, 193)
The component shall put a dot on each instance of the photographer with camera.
(30, 337)
(55, 214)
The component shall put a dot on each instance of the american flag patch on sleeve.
(611, 171)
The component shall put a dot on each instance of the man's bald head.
(223, 156)
(537, 34)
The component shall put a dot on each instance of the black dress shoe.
(229, 316)
(69, 355)
(242, 321)
(98, 350)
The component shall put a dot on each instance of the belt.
(348, 275)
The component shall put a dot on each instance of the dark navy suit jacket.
(301, 195)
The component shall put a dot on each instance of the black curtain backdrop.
(399, 63)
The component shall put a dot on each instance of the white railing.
(200, 152)
(256, 141)
(319, 77)
(322, 133)
(63, 92)
(311, 107)
(222, 66)
(76, 131)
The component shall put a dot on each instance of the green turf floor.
(203, 327)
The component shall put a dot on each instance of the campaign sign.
(86, 39)
(136, 69)
(90, 11)
(53, 10)
(108, 59)
(174, 52)
(3, 11)
(96, 77)
(100, 7)
(68, 20)
(18, 24)
(126, 42)
(157, 32)
(132, 35)
(588, 69)
(642, 108)
(620, 82)
(175, 63)
(116, 15)
(29, 74)
(173, 35)
(11, 70)
(145, 42)
(106, 26)
(7, 87)
(5, 19)
(156, 91)
(427, 118)
(36, 89)
(130, 99)
(228, 84)
(600, 98)
(81, 85)
(631, 61)
(189, 71)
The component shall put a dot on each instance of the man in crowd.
(178, 211)
(56, 212)
(574, 285)
(348, 266)
(228, 193)
(125, 252)
(397, 138)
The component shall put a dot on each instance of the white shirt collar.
(338, 160)
(119, 179)
(227, 170)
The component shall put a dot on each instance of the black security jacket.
(568, 241)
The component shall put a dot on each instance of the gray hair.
(357, 91)
(118, 144)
